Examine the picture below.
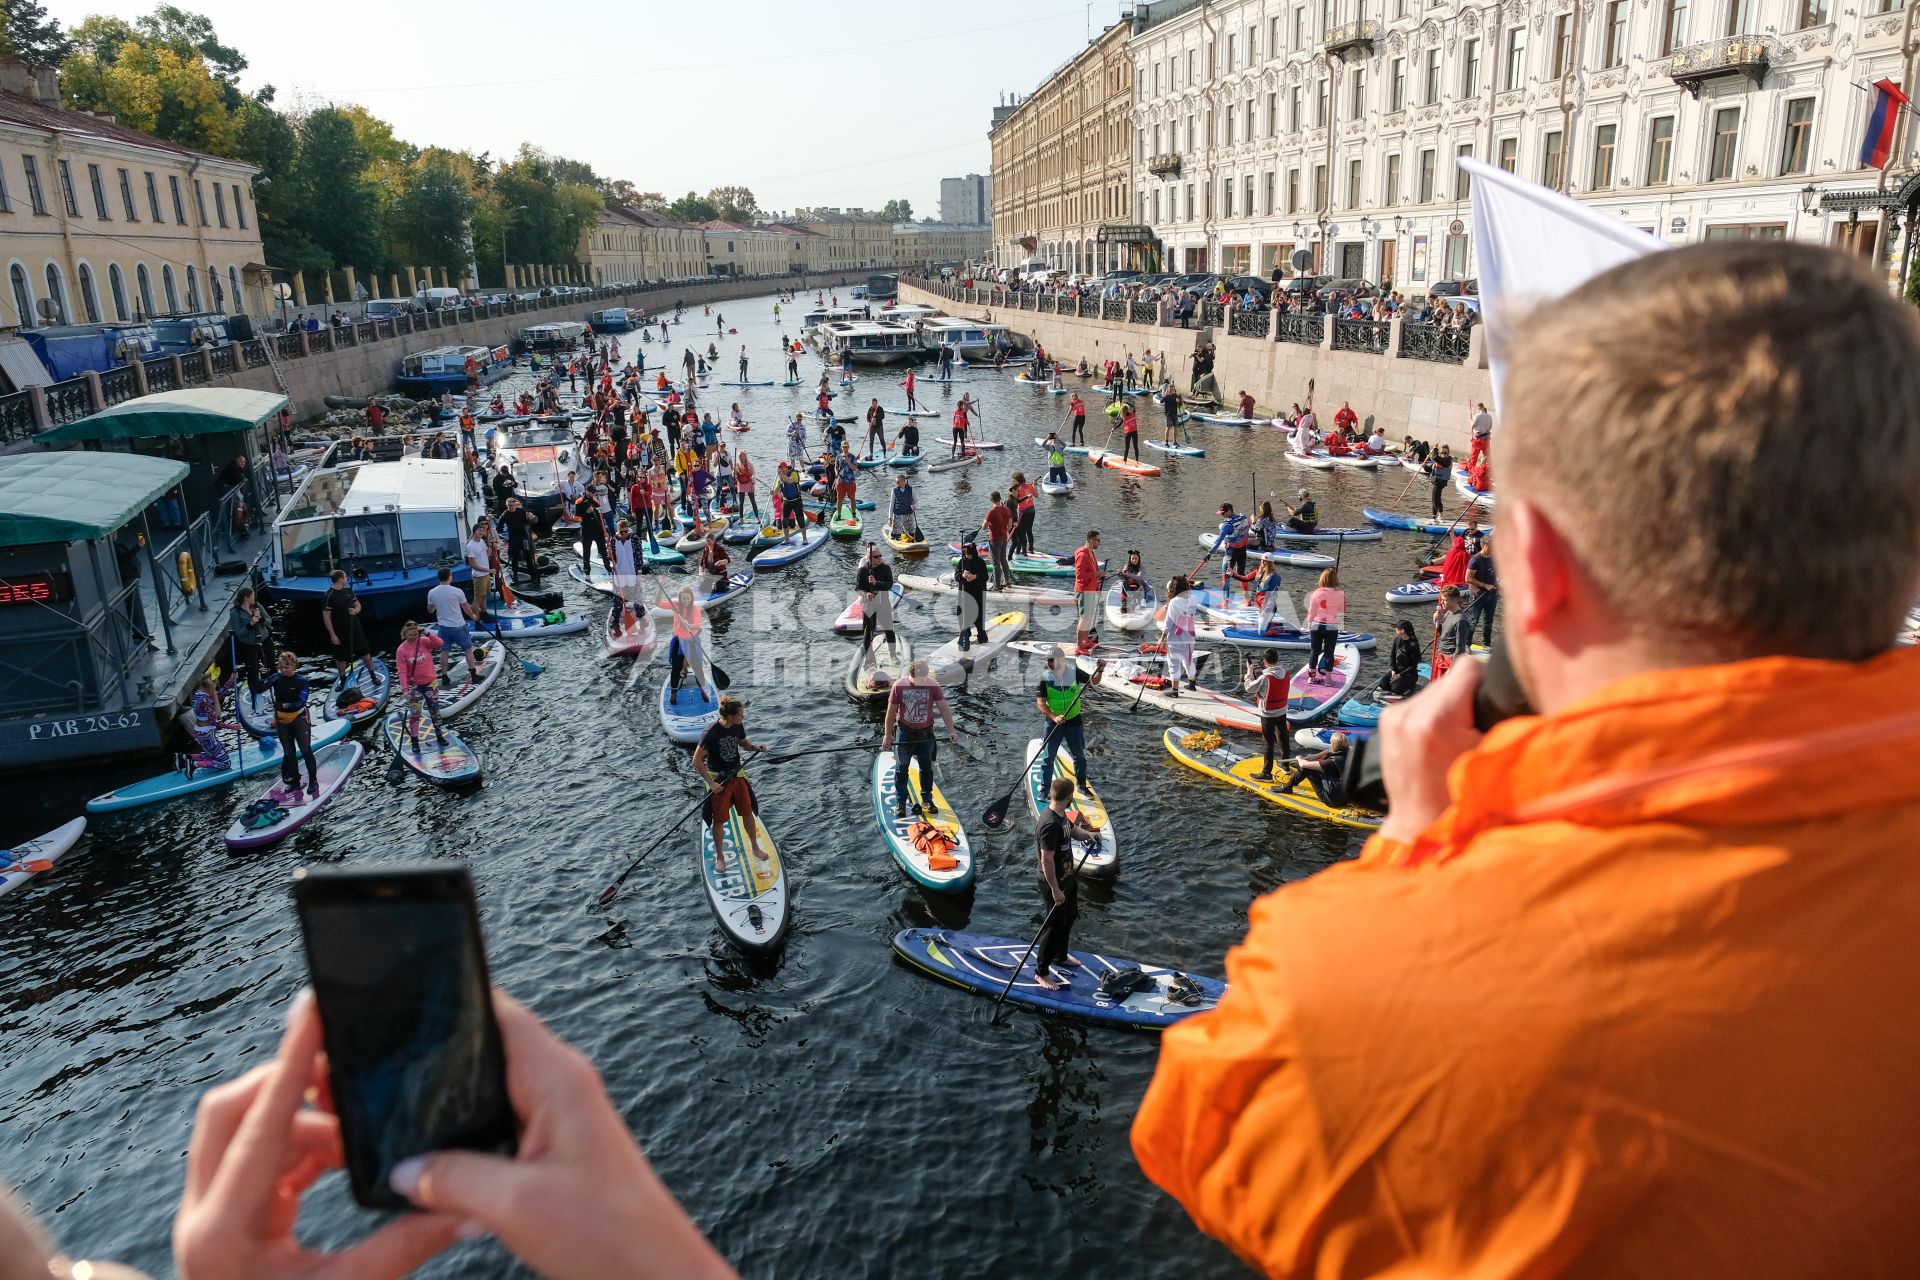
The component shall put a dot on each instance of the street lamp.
(1809, 198)
(506, 221)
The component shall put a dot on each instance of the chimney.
(16, 77)
(46, 81)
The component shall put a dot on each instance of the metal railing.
(253, 354)
(69, 401)
(290, 346)
(160, 376)
(1249, 324)
(222, 360)
(1306, 330)
(119, 385)
(16, 416)
(193, 369)
(1113, 309)
(1212, 314)
(62, 665)
(1143, 313)
(1431, 342)
(1361, 335)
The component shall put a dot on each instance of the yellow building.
(806, 246)
(99, 222)
(928, 243)
(734, 249)
(626, 246)
(1062, 162)
(855, 238)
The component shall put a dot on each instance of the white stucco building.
(1262, 126)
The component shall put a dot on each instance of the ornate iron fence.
(1249, 324)
(1143, 313)
(193, 369)
(1361, 335)
(1113, 309)
(289, 346)
(1307, 330)
(119, 385)
(1211, 313)
(160, 374)
(366, 331)
(1431, 342)
(16, 416)
(221, 358)
(344, 336)
(253, 354)
(69, 401)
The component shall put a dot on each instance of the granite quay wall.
(1407, 378)
(356, 360)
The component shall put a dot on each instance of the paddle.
(526, 667)
(817, 751)
(994, 1021)
(33, 867)
(396, 768)
(606, 894)
(995, 816)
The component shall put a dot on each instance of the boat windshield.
(307, 549)
(429, 537)
(369, 543)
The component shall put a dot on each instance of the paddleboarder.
(876, 427)
(1054, 832)
(1326, 611)
(998, 524)
(1182, 626)
(971, 577)
(1232, 536)
(962, 413)
(1020, 492)
(908, 441)
(292, 725)
(717, 759)
(340, 613)
(1087, 601)
(1059, 696)
(1267, 682)
(416, 666)
(1403, 663)
(873, 580)
(903, 510)
(912, 703)
(205, 725)
(1327, 770)
(684, 650)
(452, 613)
(1304, 518)
(1078, 409)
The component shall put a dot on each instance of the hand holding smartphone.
(414, 1055)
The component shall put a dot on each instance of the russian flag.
(1877, 146)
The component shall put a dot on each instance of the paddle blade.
(606, 894)
(529, 666)
(996, 815)
(721, 680)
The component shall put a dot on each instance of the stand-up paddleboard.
(948, 464)
(1230, 764)
(1018, 594)
(363, 694)
(803, 544)
(1184, 450)
(1319, 459)
(525, 621)
(1102, 856)
(748, 896)
(1278, 555)
(869, 463)
(852, 619)
(735, 382)
(1410, 523)
(460, 691)
(821, 505)
(629, 633)
(985, 964)
(1480, 497)
(251, 758)
(1359, 712)
(1226, 419)
(1312, 694)
(275, 816)
(663, 554)
(1131, 610)
(1320, 738)
(1032, 564)
(929, 843)
(905, 460)
(951, 664)
(1115, 462)
(1079, 449)
(25, 861)
(1142, 678)
(692, 541)
(686, 714)
(1425, 591)
(846, 524)
(1325, 534)
(871, 674)
(454, 765)
(903, 412)
(1278, 635)
(903, 544)
(1057, 487)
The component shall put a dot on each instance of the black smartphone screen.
(400, 979)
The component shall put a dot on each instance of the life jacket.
(934, 844)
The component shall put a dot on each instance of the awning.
(200, 411)
(71, 496)
(21, 365)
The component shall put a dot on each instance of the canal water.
(831, 1113)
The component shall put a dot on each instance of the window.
(1748, 231)
(117, 286)
(1391, 196)
(1795, 140)
(1660, 152)
(1247, 112)
(1397, 93)
(1293, 191)
(1603, 140)
(1614, 48)
(173, 294)
(1562, 45)
(1273, 114)
(179, 209)
(6, 202)
(1206, 196)
(22, 296)
(1553, 161)
(1726, 145)
(1189, 202)
(1189, 146)
(1156, 207)
(1253, 45)
(1231, 49)
(1812, 13)
(1353, 184)
(220, 203)
(153, 199)
(1246, 196)
(1293, 109)
(66, 189)
(145, 282)
(1357, 93)
(233, 298)
(1320, 105)
(1673, 27)
(1426, 176)
(1300, 27)
(1273, 38)
(1430, 92)
(1226, 192)
(35, 196)
(126, 197)
(89, 302)
(99, 192)
(1229, 137)
(1267, 204)
(1739, 17)
(1319, 186)
(1470, 69)
(56, 295)
(1514, 75)
(1510, 154)
(1462, 180)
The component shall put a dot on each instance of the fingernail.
(302, 1000)
(405, 1176)
(471, 1230)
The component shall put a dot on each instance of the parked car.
(1454, 288)
(1250, 284)
(1353, 287)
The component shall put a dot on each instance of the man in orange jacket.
(1624, 986)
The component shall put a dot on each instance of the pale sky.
(825, 102)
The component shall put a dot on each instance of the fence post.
(139, 368)
(1476, 347)
(1393, 338)
(1273, 321)
(179, 371)
(37, 401)
(95, 396)
(1326, 332)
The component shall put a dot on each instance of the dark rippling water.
(829, 1114)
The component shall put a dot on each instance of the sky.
(834, 102)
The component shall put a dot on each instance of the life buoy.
(184, 564)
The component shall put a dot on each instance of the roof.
(645, 217)
(199, 411)
(20, 109)
(73, 496)
(410, 484)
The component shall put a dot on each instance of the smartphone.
(399, 977)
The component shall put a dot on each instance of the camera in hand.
(1498, 698)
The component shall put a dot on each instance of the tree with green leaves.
(693, 208)
(898, 210)
(735, 204)
(26, 32)
(431, 211)
(622, 192)
(339, 208)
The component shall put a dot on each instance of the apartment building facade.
(1337, 126)
(1062, 163)
(928, 243)
(855, 239)
(624, 246)
(967, 201)
(100, 223)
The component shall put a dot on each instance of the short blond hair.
(1748, 469)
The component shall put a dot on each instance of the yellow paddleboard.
(1228, 764)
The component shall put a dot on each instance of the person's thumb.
(465, 1184)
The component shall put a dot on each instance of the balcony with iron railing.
(1355, 38)
(1164, 165)
(1742, 55)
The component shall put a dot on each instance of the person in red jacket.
(1087, 601)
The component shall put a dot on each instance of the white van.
(1034, 269)
(438, 299)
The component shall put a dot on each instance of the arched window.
(89, 300)
(117, 285)
(236, 300)
(173, 293)
(216, 292)
(22, 296)
(56, 295)
(145, 281)
(193, 289)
